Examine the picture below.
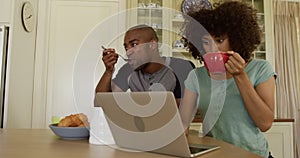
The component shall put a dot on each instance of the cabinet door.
(154, 13)
(165, 17)
(70, 23)
(280, 138)
(260, 52)
(179, 48)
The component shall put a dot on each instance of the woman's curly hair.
(237, 20)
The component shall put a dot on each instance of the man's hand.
(109, 58)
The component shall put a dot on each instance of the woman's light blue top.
(234, 124)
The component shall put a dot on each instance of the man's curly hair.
(237, 20)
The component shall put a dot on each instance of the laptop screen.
(146, 121)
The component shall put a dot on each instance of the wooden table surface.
(42, 143)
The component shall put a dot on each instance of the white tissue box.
(100, 133)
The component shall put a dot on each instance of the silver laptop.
(148, 121)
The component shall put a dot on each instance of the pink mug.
(214, 62)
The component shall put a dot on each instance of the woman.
(248, 105)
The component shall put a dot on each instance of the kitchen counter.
(280, 136)
(31, 143)
(283, 120)
(197, 120)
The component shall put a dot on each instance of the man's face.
(137, 45)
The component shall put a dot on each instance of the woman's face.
(215, 44)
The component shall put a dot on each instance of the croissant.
(76, 120)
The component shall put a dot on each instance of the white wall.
(70, 24)
(5, 9)
(40, 65)
(20, 70)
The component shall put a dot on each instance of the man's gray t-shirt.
(169, 78)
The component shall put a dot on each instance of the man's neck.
(154, 66)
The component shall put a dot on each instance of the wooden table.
(42, 143)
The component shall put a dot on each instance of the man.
(146, 70)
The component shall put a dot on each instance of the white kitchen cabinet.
(264, 12)
(154, 13)
(178, 47)
(281, 139)
(161, 15)
(260, 52)
(149, 12)
(265, 20)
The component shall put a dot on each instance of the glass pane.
(142, 3)
(150, 3)
(248, 1)
(150, 13)
(259, 5)
(142, 12)
(262, 46)
(260, 55)
(158, 3)
(156, 13)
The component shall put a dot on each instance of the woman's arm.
(188, 107)
(259, 101)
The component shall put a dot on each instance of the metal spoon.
(125, 59)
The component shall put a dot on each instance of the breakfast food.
(74, 120)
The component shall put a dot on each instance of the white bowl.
(70, 133)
